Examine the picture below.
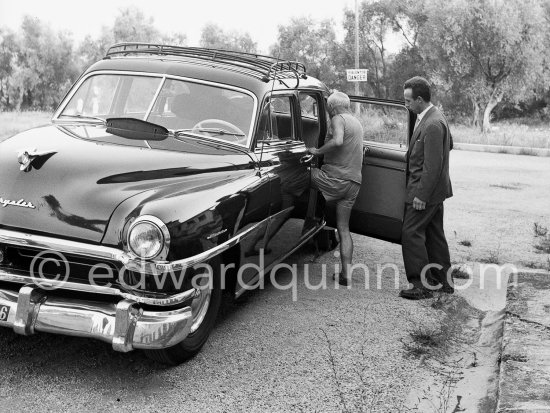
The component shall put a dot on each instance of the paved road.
(328, 351)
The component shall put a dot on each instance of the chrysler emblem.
(26, 156)
(21, 203)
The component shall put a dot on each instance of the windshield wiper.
(179, 134)
(83, 117)
(216, 131)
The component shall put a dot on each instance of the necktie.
(416, 123)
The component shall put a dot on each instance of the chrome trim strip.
(124, 324)
(22, 239)
(96, 289)
(206, 255)
(128, 260)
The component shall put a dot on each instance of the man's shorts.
(341, 191)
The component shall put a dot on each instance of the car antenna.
(269, 102)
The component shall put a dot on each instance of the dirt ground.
(330, 350)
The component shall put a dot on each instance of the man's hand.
(418, 204)
(313, 151)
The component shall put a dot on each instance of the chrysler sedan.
(171, 177)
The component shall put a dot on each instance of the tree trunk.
(493, 101)
(475, 115)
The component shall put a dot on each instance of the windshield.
(184, 107)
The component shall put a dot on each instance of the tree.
(174, 39)
(314, 44)
(377, 21)
(8, 52)
(214, 37)
(43, 68)
(374, 25)
(131, 25)
(91, 50)
(491, 49)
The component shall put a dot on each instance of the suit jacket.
(428, 160)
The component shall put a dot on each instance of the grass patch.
(434, 338)
(460, 274)
(539, 230)
(527, 151)
(514, 357)
(505, 134)
(538, 265)
(493, 257)
(543, 246)
(15, 122)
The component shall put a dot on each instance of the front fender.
(199, 215)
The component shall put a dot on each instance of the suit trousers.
(423, 242)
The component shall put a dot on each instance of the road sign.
(357, 75)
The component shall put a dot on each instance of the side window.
(383, 123)
(276, 120)
(309, 118)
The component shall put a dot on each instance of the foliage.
(131, 25)
(375, 21)
(40, 66)
(487, 50)
(214, 37)
(314, 44)
(485, 58)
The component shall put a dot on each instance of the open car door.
(378, 210)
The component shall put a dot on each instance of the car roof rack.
(264, 67)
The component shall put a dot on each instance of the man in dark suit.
(425, 249)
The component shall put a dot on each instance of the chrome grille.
(50, 264)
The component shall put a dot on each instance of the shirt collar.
(421, 115)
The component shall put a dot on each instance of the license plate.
(4, 312)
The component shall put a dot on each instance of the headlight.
(148, 237)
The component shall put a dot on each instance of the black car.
(168, 177)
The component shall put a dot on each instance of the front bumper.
(124, 324)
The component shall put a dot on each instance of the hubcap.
(200, 304)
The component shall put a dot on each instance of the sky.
(259, 18)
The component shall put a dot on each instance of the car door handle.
(306, 158)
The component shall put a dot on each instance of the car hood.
(72, 188)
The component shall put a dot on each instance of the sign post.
(357, 75)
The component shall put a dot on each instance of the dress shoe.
(441, 286)
(447, 288)
(416, 293)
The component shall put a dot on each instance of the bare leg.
(346, 243)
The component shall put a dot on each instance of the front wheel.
(204, 309)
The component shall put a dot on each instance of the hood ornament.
(27, 156)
